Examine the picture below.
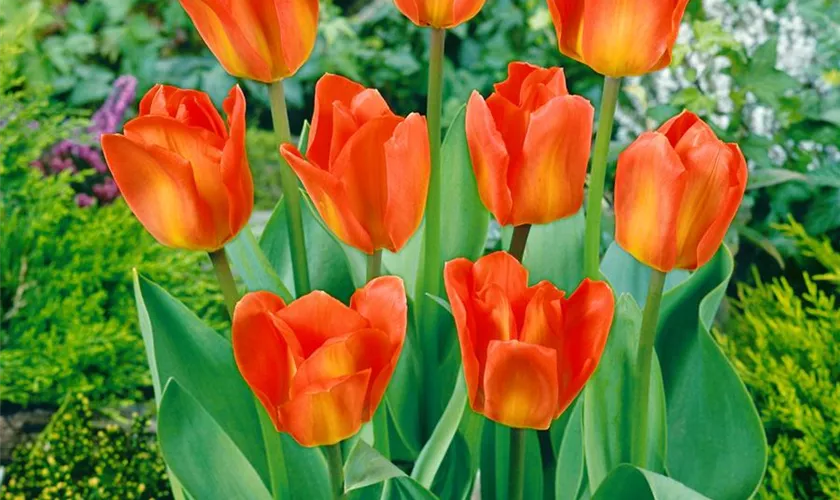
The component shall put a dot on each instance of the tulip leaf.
(326, 259)
(608, 410)
(554, 251)
(495, 463)
(716, 443)
(366, 467)
(205, 459)
(253, 267)
(627, 482)
(570, 476)
(180, 346)
(628, 275)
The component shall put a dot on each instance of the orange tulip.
(527, 351)
(318, 367)
(618, 37)
(441, 14)
(183, 172)
(263, 40)
(677, 190)
(529, 144)
(366, 169)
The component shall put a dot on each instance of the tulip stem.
(516, 481)
(518, 241)
(374, 265)
(335, 462)
(431, 270)
(592, 248)
(381, 440)
(225, 277)
(644, 358)
(289, 185)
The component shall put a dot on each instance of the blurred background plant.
(765, 73)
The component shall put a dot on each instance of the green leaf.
(366, 467)
(627, 482)
(608, 419)
(495, 463)
(628, 275)
(253, 266)
(432, 454)
(555, 251)
(201, 454)
(570, 479)
(180, 346)
(326, 260)
(766, 177)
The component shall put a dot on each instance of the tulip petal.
(649, 185)
(587, 318)
(236, 174)
(438, 13)
(330, 200)
(362, 170)
(511, 88)
(317, 317)
(195, 109)
(329, 90)
(223, 32)
(543, 318)
(262, 355)
(329, 414)
(410, 9)
(714, 186)
(541, 86)
(676, 20)
(457, 279)
(149, 181)
(686, 131)
(464, 10)
(548, 184)
(520, 384)
(490, 159)
(501, 269)
(408, 167)
(297, 29)
(383, 303)
(155, 101)
(367, 349)
(626, 38)
(568, 23)
(512, 123)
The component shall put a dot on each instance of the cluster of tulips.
(320, 368)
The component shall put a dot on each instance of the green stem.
(592, 250)
(225, 277)
(273, 453)
(231, 295)
(516, 480)
(336, 466)
(381, 440)
(518, 241)
(374, 265)
(289, 184)
(644, 357)
(428, 280)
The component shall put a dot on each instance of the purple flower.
(84, 200)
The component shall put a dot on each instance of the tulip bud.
(529, 144)
(441, 14)
(183, 172)
(366, 169)
(677, 190)
(527, 351)
(318, 367)
(618, 37)
(263, 40)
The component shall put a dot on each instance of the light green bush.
(786, 347)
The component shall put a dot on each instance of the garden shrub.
(73, 458)
(786, 347)
(68, 321)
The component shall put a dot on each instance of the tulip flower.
(366, 169)
(527, 351)
(441, 14)
(318, 367)
(529, 144)
(182, 171)
(263, 40)
(618, 37)
(677, 190)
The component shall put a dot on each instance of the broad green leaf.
(432, 454)
(627, 482)
(495, 463)
(326, 260)
(627, 275)
(608, 419)
(180, 346)
(554, 251)
(207, 462)
(766, 177)
(253, 267)
(716, 443)
(366, 467)
(570, 478)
